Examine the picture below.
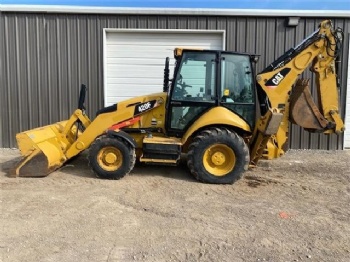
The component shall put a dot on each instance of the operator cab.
(206, 79)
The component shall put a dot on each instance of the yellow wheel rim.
(219, 159)
(110, 158)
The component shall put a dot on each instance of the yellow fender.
(217, 116)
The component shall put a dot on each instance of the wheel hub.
(218, 158)
(110, 158)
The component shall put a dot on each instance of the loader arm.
(47, 148)
(280, 102)
(125, 114)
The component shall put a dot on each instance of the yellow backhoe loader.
(214, 110)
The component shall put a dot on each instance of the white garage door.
(134, 59)
(347, 113)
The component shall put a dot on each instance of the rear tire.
(218, 156)
(111, 158)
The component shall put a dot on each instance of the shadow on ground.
(79, 167)
(8, 167)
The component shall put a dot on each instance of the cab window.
(195, 80)
(194, 88)
(237, 86)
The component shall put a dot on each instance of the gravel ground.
(295, 208)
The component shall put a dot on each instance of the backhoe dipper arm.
(275, 92)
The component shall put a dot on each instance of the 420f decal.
(143, 107)
(277, 78)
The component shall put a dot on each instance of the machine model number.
(140, 108)
(144, 107)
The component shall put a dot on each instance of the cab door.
(193, 90)
(237, 86)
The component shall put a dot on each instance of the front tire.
(218, 156)
(111, 158)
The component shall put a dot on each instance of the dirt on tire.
(295, 208)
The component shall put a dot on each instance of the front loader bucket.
(33, 165)
(42, 149)
(303, 111)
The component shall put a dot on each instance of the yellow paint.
(178, 50)
(216, 116)
(321, 60)
(62, 140)
(110, 158)
(219, 159)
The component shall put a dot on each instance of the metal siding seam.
(345, 82)
(59, 67)
(23, 65)
(46, 77)
(230, 41)
(95, 49)
(48, 58)
(99, 62)
(347, 93)
(88, 52)
(241, 33)
(105, 83)
(69, 66)
(29, 82)
(38, 58)
(251, 36)
(6, 116)
(18, 120)
(289, 41)
(298, 37)
(2, 77)
(78, 50)
(202, 23)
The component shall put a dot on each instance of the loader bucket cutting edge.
(34, 165)
(42, 150)
(303, 111)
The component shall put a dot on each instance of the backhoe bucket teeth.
(42, 149)
(303, 111)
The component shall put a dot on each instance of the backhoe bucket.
(42, 149)
(303, 111)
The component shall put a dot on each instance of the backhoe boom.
(281, 103)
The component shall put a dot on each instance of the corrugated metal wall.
(45, 57)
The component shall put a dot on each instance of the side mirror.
(166, 75)
(254, 58)
(82, 95)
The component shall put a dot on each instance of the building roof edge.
(171, 11)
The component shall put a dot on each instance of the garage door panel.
(138, 71)
(152, 37)
(115, 97)
(153, 45)
(140, 67)
(134, 81)
(134, 61)
(135, 52)
(135, 90)
(179, 42)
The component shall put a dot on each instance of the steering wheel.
(184, 85)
